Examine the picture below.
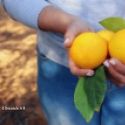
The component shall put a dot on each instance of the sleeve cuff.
(25, 11)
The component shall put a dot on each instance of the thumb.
(68, 42)
(71, 33)
(69, 37)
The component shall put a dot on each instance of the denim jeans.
(56, 87)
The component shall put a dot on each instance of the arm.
(57, 20)
(25, 11)
(36, 13)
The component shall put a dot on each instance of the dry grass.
(18, 74)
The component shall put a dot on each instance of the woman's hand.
(56, 20)
(75, 28)
(116, 71)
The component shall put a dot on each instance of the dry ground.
(18, 74)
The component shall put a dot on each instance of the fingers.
(79, 72)
(118, 66)
(75, 29)
(69, 36)
(117, 82)
(116, 70)
(68, 42)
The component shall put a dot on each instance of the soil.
(19, 103)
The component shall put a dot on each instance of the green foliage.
(81, 101)
(89, 94)
(113, 23)
(95, 88)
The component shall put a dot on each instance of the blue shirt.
(50, 43)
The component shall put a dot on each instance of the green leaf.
(89, 94)
(81, 101)
(95, 88)
(113, 23)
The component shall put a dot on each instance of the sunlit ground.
(18, 74)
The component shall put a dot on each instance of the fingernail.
(113, 61)
(106, 63)
(66, 42)
(90, 73)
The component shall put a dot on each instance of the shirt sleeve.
(25, 11)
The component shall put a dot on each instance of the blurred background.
(18, 74)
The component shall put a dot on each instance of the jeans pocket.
(42, 57)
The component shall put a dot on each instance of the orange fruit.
(117, 46)
(88, 50)
(106, 34)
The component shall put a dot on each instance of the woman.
(57, 23)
